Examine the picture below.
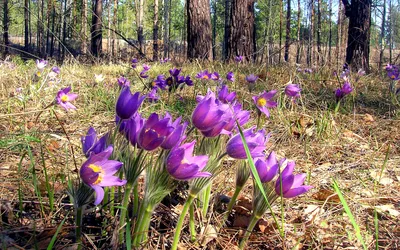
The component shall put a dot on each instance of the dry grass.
(350, 147)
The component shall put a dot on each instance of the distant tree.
(298, 31)
(357, 51)
(140, 20)
(84, 27)
(5, 26)
(96, 27)
(166, 29)
(199, 29)
(227, 27)
(319, 29)
(241, 41)
(26, 24)
(155, 32)
(287, 42)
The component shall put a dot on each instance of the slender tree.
(96, 42)
(140, 22)
(310, 52)
(84, 27)
(166, 28)
(199, 29)
(241, 41)
(357, 51)
(330, 33)
(5, 26)
(287, 42)
(382, 38)
(298, 31)
(227, 27)
(214, 27)
(319, 28)
(114, 38)
(155, 31)
(280, 29)
(26, 24)
(339, 35)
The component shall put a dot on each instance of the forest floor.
(358, 146)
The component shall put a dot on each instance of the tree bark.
(5, 27)
(241, 40)
(382, 38)
(96, 42)
(214, 28)
(140, 24)
(155, 32)
(166, 38)
(227, 27)
(199, 30)
(287, 42)
(298, 31)
(280, 29)
(357, 51)
(320, 60)
(26, 24)
(310, 56)
(330, 34)
(114, 37)
(338, 36)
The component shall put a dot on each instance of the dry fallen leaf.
(381, 179)
(368, 118)
(388, 208)
(208, 233)
(324, 194)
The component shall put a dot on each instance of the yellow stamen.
(97, 169)
(261, 101)
(64, 98)
(205, 77)
(393, 77)
(38, 73)
(184, 161)
(153, 84)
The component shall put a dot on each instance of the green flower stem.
(179, 225)
(253, 222)
(192, 223)
(206, 199)
(112, 200)
(78, 224)
(135, 199)
(143, 225)
(124, 210)
(232, 201)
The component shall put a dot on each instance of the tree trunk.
(338, 36)
(214, 28)
(166, 38)
(298, 31)
(155, 32)
(382, 38)
(84, 27)
(115, 16)
(53, 24)
(287, 42)
(241, 41)
(96, 30)
(26, 24)
(330, 34)
(390, 32)
(320, 60)
(64, 29)
(227, 27)
(310, 57)
(280, 29)
(48, 38)
(357, 51)
(5, 26)
(199, 30)
(140, 24)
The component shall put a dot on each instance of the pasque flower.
(215, 76)
(92, 145)
(255, 141)
(154, 132)
(230, 77)
(203, 75)
(64, 98)
(263, 101)
(343, 91)
(237, 115)
(98, 172)
(267, 168)
(123, 82)
(393, 72)
(152, 95)
(178, 133)
(292, 90)
(128, 104)
(41, 64)
(224, 95)
(182, 165)
(132, 127)
(251, 78)
(134, 63)
(56, 70)
(174, 72)
(210, 115)
(292, 185)
(238, 59)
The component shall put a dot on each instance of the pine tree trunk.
(84, 27)
(338, 36)
(330, 34)
(53, 24)
(214, 28)
(48, 38)
(109, 24)
(96, 42)
(298, 31)
(155, 32)
(280, 29)
(5, 27)
(310, 57)
(114, 24)
(199, 30)
(390, 32)
(140, 25)
(26, 24)
(241, 41)
(64, 30)
(227, 27)
(287, 42)
(320, 60)
(166, 38)
(357, 51)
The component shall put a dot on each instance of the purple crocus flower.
(292, 185)
(292, 90)
(152, 96)
(56, 70)
(188, 81)
(90, 144)
(170, 82)
(134, 63)
(123, 82)
(255, 141)
(154, 132)
(224, 95)
(238, 59)
(263, 101)
(64, 99)
(393, 72)
(183, 166)
(41, 64)
(230, 77)
(215, 76)
(251, 78)
(146, 67)
(267, 169)
(143, 74)
(132, 127)
(159, 82)
(98, 172)
(210, 115)
(128, 104)
(343, 91)
(237, 115)
(203, 75)
(178, 133)
(174, 72)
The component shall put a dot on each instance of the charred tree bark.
(5, 27)
(96, 30)
(26, 24)
(155, 32)
(241, 40)
(357, 51)
(287, 42)
(199, 30)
